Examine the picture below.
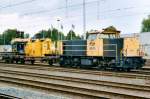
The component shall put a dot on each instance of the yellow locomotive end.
(94, 44)
(131, 47)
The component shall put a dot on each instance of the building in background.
(145, 42)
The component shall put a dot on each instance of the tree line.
(54, 34)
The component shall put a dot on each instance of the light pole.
(61, 34)
(1, 40)
(84, 19)
(58, 20)
(4, 39)
(43, 34)
(51, 31)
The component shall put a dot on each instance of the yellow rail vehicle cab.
(100, 43)
(95, 47)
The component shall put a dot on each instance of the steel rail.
(133, 74)
(73, 83)
(138, 87)
(6, 96)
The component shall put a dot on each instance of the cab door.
(94, 46)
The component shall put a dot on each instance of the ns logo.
(92, 45)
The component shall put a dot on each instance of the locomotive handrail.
(74, 45)
(109, 44)
(78, 50)
(109, 50)
(75, 50)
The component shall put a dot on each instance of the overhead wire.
(16, 4)
(68, 6)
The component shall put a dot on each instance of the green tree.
(41, 34)
(72, 36)
(54, 34)
(27, 35)
(61, 36)
(7, 36)
(146, 25)
(78, 37)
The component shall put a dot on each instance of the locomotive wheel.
(6, 61)
(78, 66)
(127, 69)
(61, 63)
(32, 62)
(16, 61)
(10, 61)
(102, 68)
(50, 62)
(22, 61)
(116, 69)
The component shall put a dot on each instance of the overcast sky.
(35, 15)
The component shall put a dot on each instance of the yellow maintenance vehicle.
(42, 50)
(31, 50)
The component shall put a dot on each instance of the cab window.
(92, 36)
(110, 36)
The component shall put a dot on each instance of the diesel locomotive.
(103, 49)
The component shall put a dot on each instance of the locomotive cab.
(17, 54)
(18, 45)
(100, 43)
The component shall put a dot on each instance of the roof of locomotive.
(20, 40)
(104, 32)
(108, 30)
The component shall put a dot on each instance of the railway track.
(77, 86)
(5, 96)
(143, 74)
